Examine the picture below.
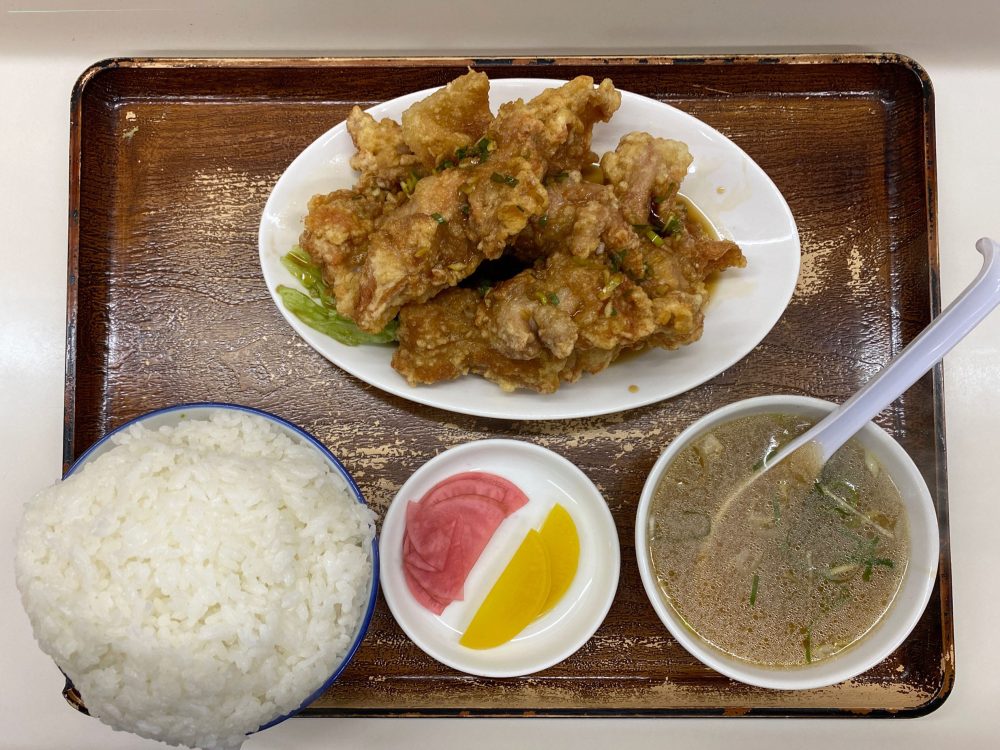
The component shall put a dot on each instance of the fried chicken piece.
(709, 256)
(383, 158)
(543, 326)
(644, 167)
(451, 118)
(443, 343)
(461, 216)
(675, 280)
(337, 227)
(552, 324)
(564, 303)
(583, 219)
(441, 337)
(570, 112)
(440, 235)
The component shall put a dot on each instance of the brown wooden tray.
(172, 161)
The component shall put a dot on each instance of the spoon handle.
(927, 349)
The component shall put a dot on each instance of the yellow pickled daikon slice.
(515, 599)
(563, 545)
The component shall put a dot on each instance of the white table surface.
(45, 44)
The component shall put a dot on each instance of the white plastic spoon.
(927, 349)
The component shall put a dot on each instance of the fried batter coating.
(443, 343)
(337, 227)
(644, 167)
(452, 222)
(564, 318)
(583, 219)
(544, 326)
(562, 304)
(383, 158)
(451, 118)
(570, 112)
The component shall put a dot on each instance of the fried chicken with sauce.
(383, 158)
(597, 290)
(443, 343)
(600, 284)
(452, 118)
(644, 168)
(337, 227)
(550, 325)
(583, 219)
(460, 216)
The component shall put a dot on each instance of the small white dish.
(733, 192)
(546, 478)
(896, 624)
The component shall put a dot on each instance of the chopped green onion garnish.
(847, 510)
(616, 260)
(653, 237)
(672, 225)
(543, 220)
(753, 589)
(552, 298)
(410, 183)
(613, 283)
(649, 233)
(504, 179)
(870, 566)
(808, 644)
(438, 218)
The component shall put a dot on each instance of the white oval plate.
(746, 304)
(546, 478)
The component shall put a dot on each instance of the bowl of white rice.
(201, 573)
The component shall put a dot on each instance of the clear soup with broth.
(785, 570)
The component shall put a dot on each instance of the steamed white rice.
(198, 581)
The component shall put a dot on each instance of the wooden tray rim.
(803, 58)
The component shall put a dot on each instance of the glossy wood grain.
(172, 161)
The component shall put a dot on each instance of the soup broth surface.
(785, 570)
